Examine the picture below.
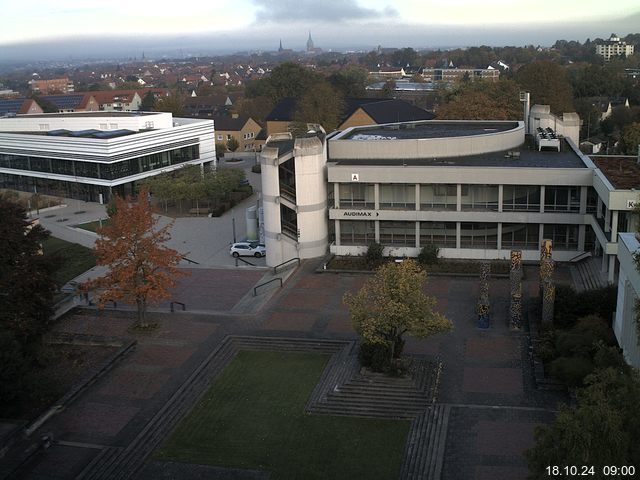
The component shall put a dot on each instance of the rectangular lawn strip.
(253, 417)
(72, 259)
(92, 226)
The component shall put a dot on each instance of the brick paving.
(486, 379)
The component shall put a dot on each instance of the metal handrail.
(284, 263)
(243, 260)
(580, 256)
(177, 303)
(255, 289)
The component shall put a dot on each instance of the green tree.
(174, 104)
(141, 269)
(26, 284)
(148, 103)
(321, 105)
(601, 430)
(404, 57)
(482, 100)
(548, 84)
(393, 303)
(631, 139)
(286, 80)
(233, 144)
(350, 81)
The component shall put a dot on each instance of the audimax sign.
(359, 213)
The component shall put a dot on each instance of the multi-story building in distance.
(613, 47)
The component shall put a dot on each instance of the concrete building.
(294, 196)
(452, 75)
(51, 86)
(475, 189)
(613, 47)
(92, 155)
(625, 325)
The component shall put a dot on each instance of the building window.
(397, 196)
(229, 137)
(521, 198)
(480, 197)
(592, 200)
(562, 199)
(438, 197)
(220, 137)
(357, 195)
(354, 232)
(520, 235)
(479, 235)
(440, 234)
(398, 233)
(564, 237)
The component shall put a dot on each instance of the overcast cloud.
(317, 11)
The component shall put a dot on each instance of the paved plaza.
(486, 379)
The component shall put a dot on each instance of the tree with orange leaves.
(142, 270)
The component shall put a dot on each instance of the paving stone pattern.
(484, 415)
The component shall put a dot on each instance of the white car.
(247, 249)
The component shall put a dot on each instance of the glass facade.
(564, 237)
(357, 195)
(480, 197)
(354, 232)
(479, 235)
(562, 199)
(441, 234)
(398, 196)
(520, 235)
(521, 198)
(438, 197)
(398, 233)
(103, 171)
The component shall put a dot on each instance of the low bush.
(570, 306)
(428, 255)
(373, 257)
(256, 168)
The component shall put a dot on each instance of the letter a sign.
(355, 177)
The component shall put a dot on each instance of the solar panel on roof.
(65, 101)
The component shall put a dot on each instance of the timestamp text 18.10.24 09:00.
(612, 471)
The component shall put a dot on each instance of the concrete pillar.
(459, 199)
(377, 230)
(500, 199)
(542, 195)
(336, 225)
(582, 233)
(599, 209)
(458, 230)
(614, 226)
(540, 233)
(417, 196)
(583, 200)
(376, 197)
(417, 234)
(500, 231)
(336, 195)
(607, 220)
(612, 268)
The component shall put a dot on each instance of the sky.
(77, 27)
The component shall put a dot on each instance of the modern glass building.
(90, 156)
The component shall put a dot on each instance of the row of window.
(444, 234)
(473, 197)
(105, 171)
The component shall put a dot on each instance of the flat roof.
(88, 114)
(622, 172)
(529, 157)
(436, 129)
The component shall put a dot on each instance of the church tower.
(309, 43)
(280, 49)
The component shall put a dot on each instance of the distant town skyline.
(52, 30)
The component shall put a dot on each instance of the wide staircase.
(587, 275)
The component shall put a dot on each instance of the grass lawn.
(253, 417)
(92, 226)
(73, 259)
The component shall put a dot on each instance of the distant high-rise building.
(613, 47)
